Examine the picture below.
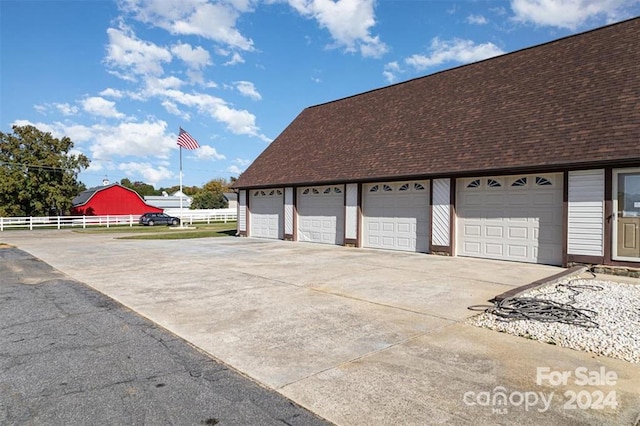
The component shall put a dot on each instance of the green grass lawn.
(139, 232)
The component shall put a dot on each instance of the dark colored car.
(158, 219)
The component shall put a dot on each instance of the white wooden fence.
(59, 222)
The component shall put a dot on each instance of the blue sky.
(120, 77)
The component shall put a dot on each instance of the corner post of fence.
(30, 223)
(1, 224)
(58, 222)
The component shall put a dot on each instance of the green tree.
(208, 200)
(217, 186)
(143, 189)
(38, 175)
(211, 195)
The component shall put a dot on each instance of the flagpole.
(184, 141)
(181, 222)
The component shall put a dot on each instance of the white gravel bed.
(617, 308)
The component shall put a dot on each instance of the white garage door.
(511, 218)
(321, 214)
(266, 209)
(396, 216)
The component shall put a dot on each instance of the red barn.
(113, 199)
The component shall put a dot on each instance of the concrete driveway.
(357, 336)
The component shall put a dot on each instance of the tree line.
(39, 176)
(210, 196)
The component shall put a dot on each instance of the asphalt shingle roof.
(573, 101)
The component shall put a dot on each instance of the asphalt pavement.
(70, 355)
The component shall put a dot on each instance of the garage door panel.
(397, 218)
(518, 233)
(513, 221)
(266, 213)
(494, 231)
(321, 214)
(494, 199)
(495, 249)
(518, 199)
(472, 230)
(518, 251)
(472, 247)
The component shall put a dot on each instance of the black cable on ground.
(542, 310)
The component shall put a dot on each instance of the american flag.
(186, 141)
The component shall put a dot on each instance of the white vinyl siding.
(515, 218)
(441, 212)
(321, 214)
(585, 234)
(242, 210)
(288, 211)
(351, 211)
(266, 208)
(396, 216)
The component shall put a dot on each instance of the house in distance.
(532, 156)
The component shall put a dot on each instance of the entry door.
(627, 218)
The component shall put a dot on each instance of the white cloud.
(195, 77)
(138, 139)
(195, 58)
(63, 108)
(206, 152)
(234, 170)
(391, 71)
(134, 56)
(569, 14)
(248, 89)
(348, 21)
(476, 19)
(112, 93)
(240, 122)
(172, 108)
(77, 132)
(105, 141)
(456, 50)
(236, 58)
(242, 162)
(66, 109)
(156, 86)
(499, 10)
(99, 106)
(214, 21)
(150, 174)
(42, 109)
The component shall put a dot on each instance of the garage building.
(532, 156)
